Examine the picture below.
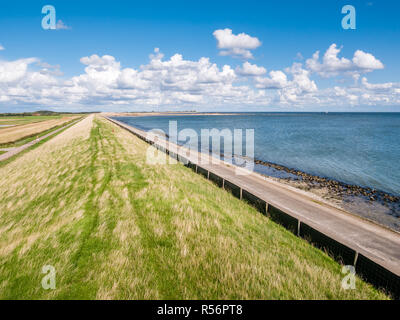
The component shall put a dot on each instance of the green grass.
(116, 227)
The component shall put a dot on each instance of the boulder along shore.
(370, 203)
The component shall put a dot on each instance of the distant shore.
(167, 113)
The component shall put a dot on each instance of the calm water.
(355, 148)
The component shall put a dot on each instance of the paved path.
(373, 241)
(13, 151)
(7, 149)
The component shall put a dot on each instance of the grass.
(115, 227)
(11, 135)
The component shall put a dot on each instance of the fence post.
(355, 259)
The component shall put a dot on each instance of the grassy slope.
(116, 227)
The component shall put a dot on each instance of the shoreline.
(168, 113)
(374, 205)
(368, 203)
(342, 187)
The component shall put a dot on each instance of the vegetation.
(116, 227)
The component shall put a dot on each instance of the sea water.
(355, 148)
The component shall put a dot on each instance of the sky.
(200, 55)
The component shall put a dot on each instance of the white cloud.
(175, 82)
(1, 47)
(301, 78)
(300, 88)
(235, 45)
(14, 70)
(289, 91)
(276, 80)
(249, 69)
(332, 65)
(388, 87)
(366, 61)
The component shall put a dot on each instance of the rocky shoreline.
(339, 188)
(369, 203)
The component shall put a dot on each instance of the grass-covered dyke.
(114, 226)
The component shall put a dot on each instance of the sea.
(354, 148)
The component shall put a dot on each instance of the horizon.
(191, 112)
(219, 57)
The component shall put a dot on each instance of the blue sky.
(130, 30)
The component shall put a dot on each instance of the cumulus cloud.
(301, 87)
(386, 87)
(161, 82)
(366, 61)
(176, 82)
(332, 65)
(276, 80)
(12, 71)
(301, 78)
(289, 91)
(235, 45)
(249, 69)
(1, 47)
